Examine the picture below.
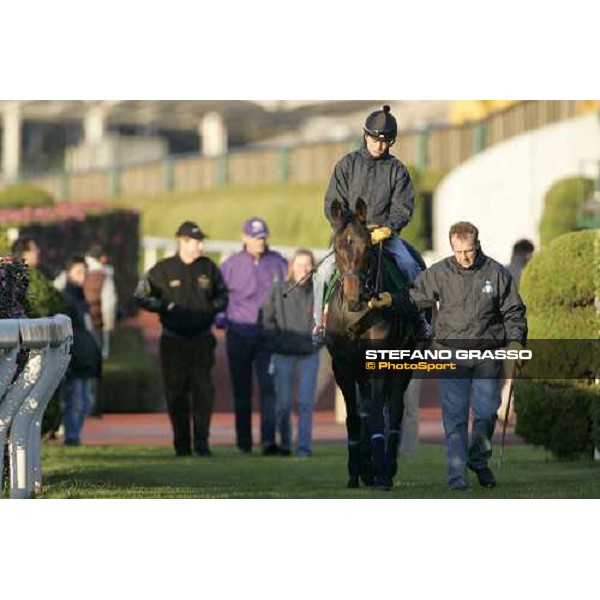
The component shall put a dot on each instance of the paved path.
(155, 430)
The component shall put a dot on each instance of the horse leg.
(372, 395)
(366, 456)
(395, 399)
(345, 380)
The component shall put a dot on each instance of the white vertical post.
(94, 124)
(213, 132)
(150, 257)
(11, 140)
(340, 406)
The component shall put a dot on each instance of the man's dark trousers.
(242, 353)
(186, 369)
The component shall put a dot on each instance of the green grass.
(152, 472)
(294, 212)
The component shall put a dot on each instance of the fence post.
(115, 182)
(222, 169)
(63, 185)
(422, 140)
(284, 165)
(169, 175)
(479, 131)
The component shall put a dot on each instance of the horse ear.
(336, 213)
(361, 210)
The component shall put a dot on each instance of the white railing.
(155, 248)
(24, 397)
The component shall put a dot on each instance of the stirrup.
(318, 335)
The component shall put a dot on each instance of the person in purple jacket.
(249, 275)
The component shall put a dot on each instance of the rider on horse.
(382, 181)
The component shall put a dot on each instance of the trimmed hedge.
(559, 288)
(562, 206)
(131, 382)
(23, 194)
(564, 418)
(420, 230)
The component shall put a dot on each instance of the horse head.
(351, 242)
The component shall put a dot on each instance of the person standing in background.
(521, 254)
(287, 320)
(86, 362)
(249, 275)
(44, 299)
(187, 291)
(101, 294)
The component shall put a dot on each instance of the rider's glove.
(379, 234)
(384, 301)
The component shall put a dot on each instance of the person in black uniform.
(187, 291)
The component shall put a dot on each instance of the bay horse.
(350, 328)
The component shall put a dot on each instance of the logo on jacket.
(175, 283)
(488, 288)
(204, 282)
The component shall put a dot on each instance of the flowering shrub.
(14, 282)
(73, 228)
(77, 211)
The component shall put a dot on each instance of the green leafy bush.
(557, 416)
(562, 206)
(131, 381)
(562, 275)
(558, 287)
(420, 229)
(23, 194)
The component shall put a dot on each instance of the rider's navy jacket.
(186, 296)
(382, 183)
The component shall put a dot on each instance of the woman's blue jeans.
(77, 403)
(307, 367)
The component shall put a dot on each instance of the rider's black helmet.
(382, 125)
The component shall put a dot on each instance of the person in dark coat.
(479, 308)
(86, 360)
(287, 321)
(379, 179)
(187, 291)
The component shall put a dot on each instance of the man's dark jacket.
(86, 360)
(480, 304)
(186, 296)
(382, 183)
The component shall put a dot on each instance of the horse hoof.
(353, 483)
(384, 485)
(367, 481)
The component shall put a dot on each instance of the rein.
(371, 289)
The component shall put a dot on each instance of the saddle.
(393, 280)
